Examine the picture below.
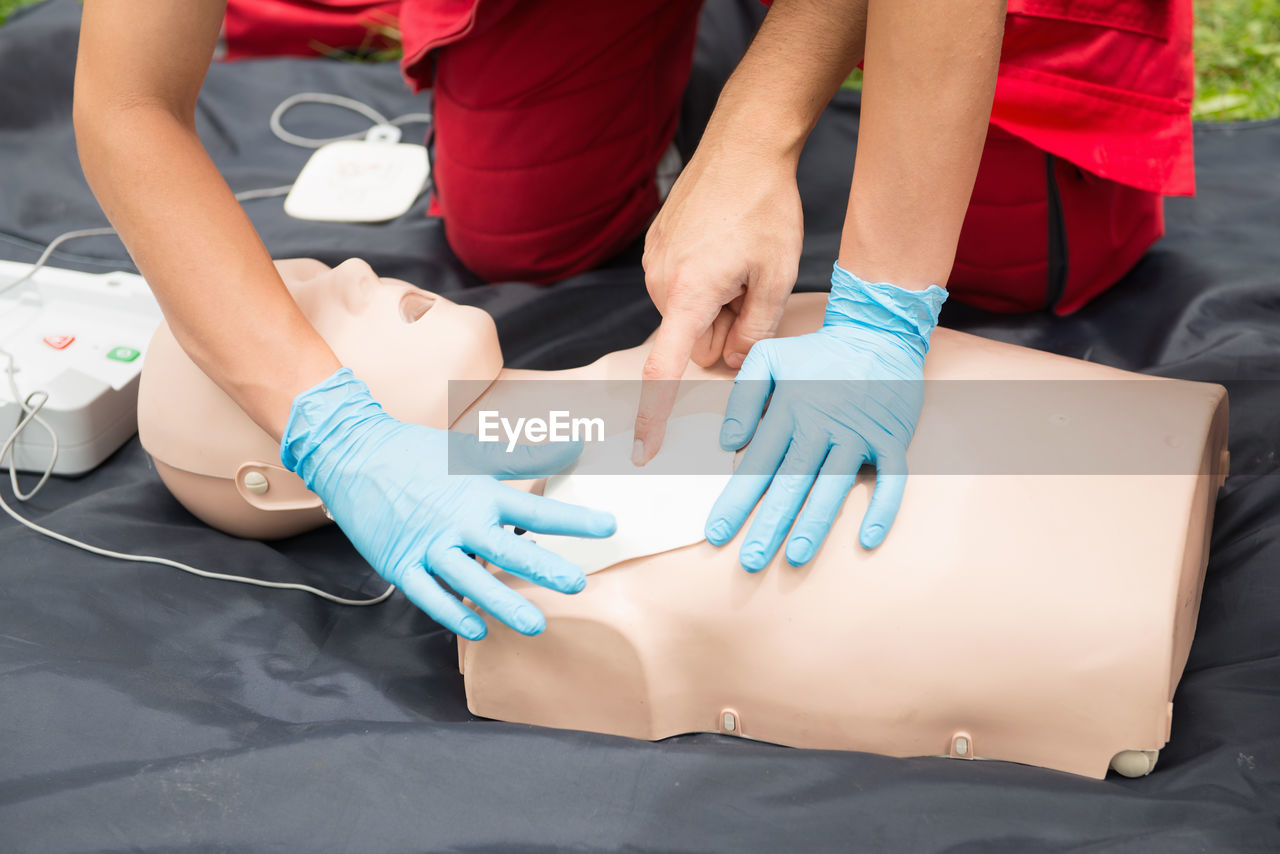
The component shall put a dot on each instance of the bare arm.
(802, 53)
(140, 67)
(722, 255)
(732, 225)
(930, 74)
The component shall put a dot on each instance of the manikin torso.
(1035, 617)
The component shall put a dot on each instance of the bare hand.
(720, 260)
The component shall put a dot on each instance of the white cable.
(106, 230)
(31, 412)
(264, 193)
(30, 406)
(338, 101)
(54, 244)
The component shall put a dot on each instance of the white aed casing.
(81, 338)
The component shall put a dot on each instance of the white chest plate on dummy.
(359, 180)
(657, 507)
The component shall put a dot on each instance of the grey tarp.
(141, 708)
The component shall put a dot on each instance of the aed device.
(80, 338)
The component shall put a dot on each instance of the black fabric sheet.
(141, 708)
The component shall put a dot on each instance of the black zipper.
(1057, 239)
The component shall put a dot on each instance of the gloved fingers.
(472, 580)
(468, 455)
(521, 557)
(751, 389)
(751, 479)
(548, 516)
(838, 474)
(782, 502)
(891, 483)
(423, 590)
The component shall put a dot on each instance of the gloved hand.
(396, 492)
(847, 394)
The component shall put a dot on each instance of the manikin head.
(406, 343)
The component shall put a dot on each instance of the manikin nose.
(414, 305)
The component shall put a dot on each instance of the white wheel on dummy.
(1134, 763)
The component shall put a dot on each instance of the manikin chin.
(1036, 617)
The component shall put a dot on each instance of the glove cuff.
(321, 419)
(905, 313)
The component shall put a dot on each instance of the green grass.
(1237, 44)
(381, 43)
(7, 7)
(1237, 60)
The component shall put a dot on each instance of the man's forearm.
(802, 53)
(930, 72)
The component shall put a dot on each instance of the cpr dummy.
(1041, 618)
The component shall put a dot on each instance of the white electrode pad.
(374, 179)
(658, 508)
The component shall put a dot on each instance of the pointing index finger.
(672, 348)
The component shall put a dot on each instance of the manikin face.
(405, 343)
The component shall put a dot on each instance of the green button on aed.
(123, 354)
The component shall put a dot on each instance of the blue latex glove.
(847, 394)
(389, 487)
